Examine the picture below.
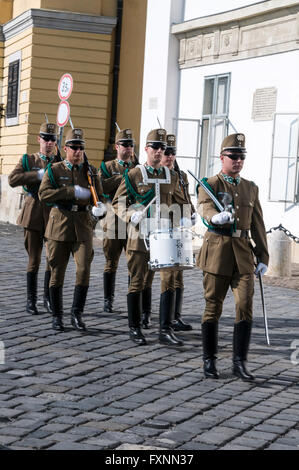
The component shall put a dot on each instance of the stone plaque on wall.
(264, 104)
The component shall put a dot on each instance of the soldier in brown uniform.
(70, 227)
(136, 192)
(226, 256)
(111, 174)
(34, 214)
(172, 277)
(169, 160)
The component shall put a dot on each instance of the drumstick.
(149, 204)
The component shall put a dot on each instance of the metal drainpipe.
(109, 151)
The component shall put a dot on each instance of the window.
(214, 122)
(284, 174)
(12, 107)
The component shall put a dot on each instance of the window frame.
(12, 60)
(212, 118)
(295, 198)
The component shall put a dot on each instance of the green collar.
(231, 180)
(69, 165)
(151, 169)
(46, 159)
(124, 164)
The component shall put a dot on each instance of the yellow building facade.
(40, 40)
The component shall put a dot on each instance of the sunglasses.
(169, 152)
(157, 145)
(235, 156)
(126, 144)
(47, 138)
(76, 147)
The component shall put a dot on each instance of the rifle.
(90, 178)
(182, 182)
(135, 159)
(58, 154)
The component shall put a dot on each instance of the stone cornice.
(62, 20)
(264, 28)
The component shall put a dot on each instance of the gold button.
(238, 220)
(237, 207)
(236, 194)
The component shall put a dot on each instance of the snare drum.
(171, 249)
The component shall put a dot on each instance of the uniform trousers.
(141, 277)
(170, 280)
(59, 254)
(33, 241)
(112, 249)
(215, 290)
(139, 272)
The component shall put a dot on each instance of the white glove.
(40, 174)
(223, 218)
(194, 218)
(261, 268)
(136, 217)
(99, 210)
(81, 193)
(185, 222)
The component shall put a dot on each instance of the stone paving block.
(276, 446)
(123, 437)
(196, 446)
(67, 445)
(7, 440)
(35, 444)
(7, 413)
(251, 443)
(218, 435)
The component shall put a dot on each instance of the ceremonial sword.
(219, 206)
(214, 199)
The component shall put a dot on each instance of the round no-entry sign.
(65, 86)
(63, 113)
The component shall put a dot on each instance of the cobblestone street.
(99, 391)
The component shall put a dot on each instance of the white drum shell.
(171, 249)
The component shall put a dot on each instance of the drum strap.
(136, 197)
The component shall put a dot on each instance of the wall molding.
(264, 28)
(62, 20)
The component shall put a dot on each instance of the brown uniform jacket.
(110, 185)
(34, 214)
(218, 252)
(58, 189)
(169, 194)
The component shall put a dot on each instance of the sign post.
(65, 88)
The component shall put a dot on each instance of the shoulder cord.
(107, 175)
(34, 188)
(136, 197)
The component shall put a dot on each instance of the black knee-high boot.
(79, 299)
(166, 334)
(47, 304)
(109, 288)
(209, 331)
(56, 307)
(134, 317)
(146, 307)
(178, 324)
(32, 293)
(241, 340)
